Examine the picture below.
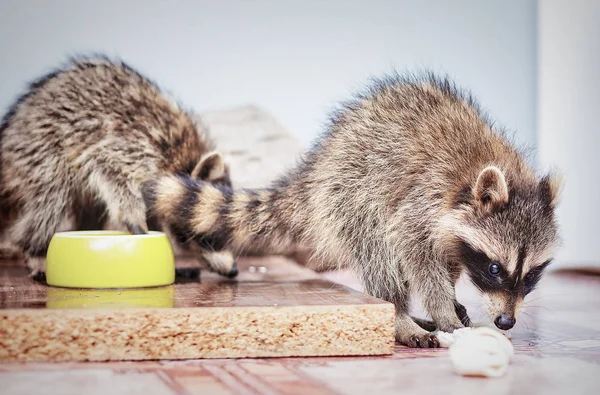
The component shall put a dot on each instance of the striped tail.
(216, 217)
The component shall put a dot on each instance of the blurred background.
(532, 64)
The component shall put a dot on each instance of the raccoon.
(411, 185)
(77, 147)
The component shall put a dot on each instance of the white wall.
(569, 131)
(295, 59)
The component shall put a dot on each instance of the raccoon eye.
(494, 269)
(531, 280)
(530, 276)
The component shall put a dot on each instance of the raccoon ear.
(551, 187)
(491, 189)
(210, 167)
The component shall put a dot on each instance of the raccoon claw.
(424, 341)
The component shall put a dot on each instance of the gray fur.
(76, 148)
(395, 189)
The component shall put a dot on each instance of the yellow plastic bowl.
(109, 259)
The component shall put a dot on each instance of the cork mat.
(274, 308)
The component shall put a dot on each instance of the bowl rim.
(103, 234)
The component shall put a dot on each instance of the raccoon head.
(219, 260)
(504, 233)
(212, 168)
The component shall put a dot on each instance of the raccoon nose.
(505, 322)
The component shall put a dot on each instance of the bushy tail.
(246, 221)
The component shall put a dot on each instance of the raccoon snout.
(505, 322)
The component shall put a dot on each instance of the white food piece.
(447, 339)
(491, 326)
(478, 351)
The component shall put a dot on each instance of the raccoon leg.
(412, 335)
(388, 287)
(461, 312)
(122, 197)
(439, 299)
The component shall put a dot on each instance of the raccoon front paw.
(428, 340)
(221, 262)
(35, 265)
(233, 272)
(40, 277)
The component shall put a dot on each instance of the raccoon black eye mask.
(490, 276)
(533, 277)
(405, 170)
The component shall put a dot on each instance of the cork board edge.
(193, 333)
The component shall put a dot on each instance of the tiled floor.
(557, 343)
